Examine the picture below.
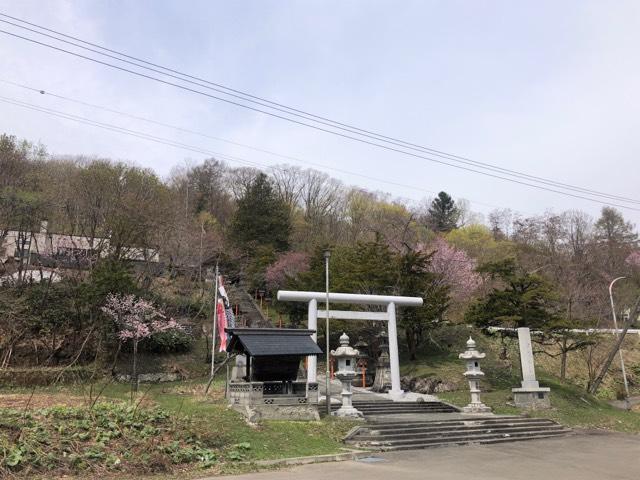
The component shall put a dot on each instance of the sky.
(547, 88)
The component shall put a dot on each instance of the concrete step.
(390, 407)
(446, 428)
(486, 441)
(456, 423)
(389, 411)
(405, 435)
(458, 438)
(453, 433)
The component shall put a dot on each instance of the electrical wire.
(165, 141)
(396, 142)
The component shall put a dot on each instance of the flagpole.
(215, 321)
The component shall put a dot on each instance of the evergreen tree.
(261, 219)
(443, 214)
(416, 280)
(521, 299)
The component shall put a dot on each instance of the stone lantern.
(346, 358)
(362, 361)
(474, 375)
(382, 380)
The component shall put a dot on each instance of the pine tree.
(261, 220)
(443, 214)
(519, 299)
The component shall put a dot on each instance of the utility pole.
(615, 325)
(215, 321)
(327, 254)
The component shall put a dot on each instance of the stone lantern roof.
(472, 352)
(345, 350)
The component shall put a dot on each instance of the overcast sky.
(545, 87)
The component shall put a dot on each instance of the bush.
(168, 342)
(43, 376)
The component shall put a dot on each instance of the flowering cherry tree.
(456, 268)
(136, 319)
(288, 266)
(633, 259)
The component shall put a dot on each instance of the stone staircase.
(408, 435)
(249, 314)
(377, 407)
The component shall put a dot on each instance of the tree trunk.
(593, 388)
(134, 373)
(411, 343)
(563, 360)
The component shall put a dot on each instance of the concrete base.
(396, 394)
(476, 408)
(532, 398)
(348, 412)
(256, 413)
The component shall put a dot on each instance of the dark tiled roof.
(259, 342)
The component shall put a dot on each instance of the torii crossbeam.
(390, 301)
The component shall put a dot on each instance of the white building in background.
(49, 249)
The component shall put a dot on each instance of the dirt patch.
(20, 401)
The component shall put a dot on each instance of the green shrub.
(42, 376)
(167, 342)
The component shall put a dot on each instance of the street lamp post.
(327, 254)
(615, 326)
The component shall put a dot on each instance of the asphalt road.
(584, 456)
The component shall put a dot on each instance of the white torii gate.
(389, 316)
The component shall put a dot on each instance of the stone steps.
(410, 436)
(417, 435)
(388, 407)
(249, 312)
(456, 422)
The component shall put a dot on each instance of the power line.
(301, 113)
(165, 141)
(231, 142)
(306, 115)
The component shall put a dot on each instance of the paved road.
(593, 456)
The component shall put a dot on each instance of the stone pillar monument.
(474, 375)
(346, 357)
(530, 394)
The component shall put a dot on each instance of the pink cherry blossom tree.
(455, 267)
(289, 265)
(135, 320)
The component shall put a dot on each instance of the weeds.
(108, 437)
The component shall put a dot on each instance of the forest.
(158, 240)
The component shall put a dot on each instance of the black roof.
(260, 342)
